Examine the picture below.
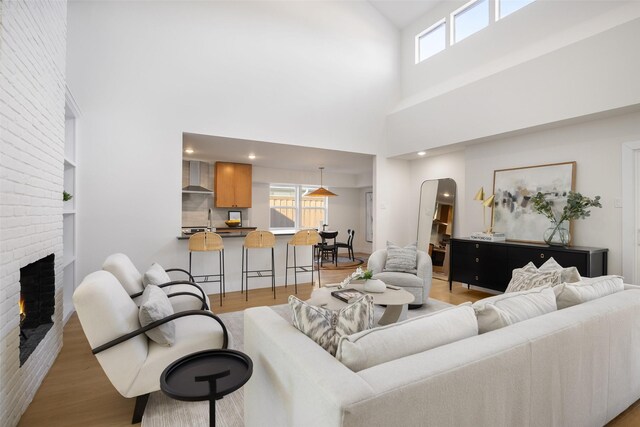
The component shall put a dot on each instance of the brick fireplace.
(32, 132)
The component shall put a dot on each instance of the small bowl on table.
(232, 223)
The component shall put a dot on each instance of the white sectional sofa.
(579, 366)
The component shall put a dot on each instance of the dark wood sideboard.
(490, 264)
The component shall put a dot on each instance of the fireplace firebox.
(37, 303)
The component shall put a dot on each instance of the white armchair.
(130, 278)
(132, 362)
(418, 284)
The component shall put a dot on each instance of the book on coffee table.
(347, 295)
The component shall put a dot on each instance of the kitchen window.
(290, 208)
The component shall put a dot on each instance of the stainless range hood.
(195, 170)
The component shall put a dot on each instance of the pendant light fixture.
(320, 192)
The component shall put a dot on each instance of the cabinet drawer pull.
(542, 256)
(477, 259)
(477, 246)
(477, 278)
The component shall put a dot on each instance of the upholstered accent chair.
(132, 362)
(419, 284)
(121, 266)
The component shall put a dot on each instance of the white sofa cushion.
(155, 275)
(155, 306)
(379, 345)
(507, 309)
(127, 274)
(325, 326)
(569, 294)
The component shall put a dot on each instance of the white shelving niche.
(69, 210)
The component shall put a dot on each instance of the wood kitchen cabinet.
(490, 264)
(232, 185)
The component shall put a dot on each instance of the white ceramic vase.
(374, 285)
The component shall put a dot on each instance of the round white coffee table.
(396, 300)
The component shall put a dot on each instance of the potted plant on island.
(576, 208)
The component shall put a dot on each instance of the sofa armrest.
(295, 382)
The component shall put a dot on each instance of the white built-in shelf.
(69, 163)
(69, 212)
(68, 261)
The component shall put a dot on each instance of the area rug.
(163, 411)
(343, 263)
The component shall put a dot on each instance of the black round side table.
(206, 375)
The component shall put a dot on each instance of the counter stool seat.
(209, 242)
(258, 239)
(302, 238)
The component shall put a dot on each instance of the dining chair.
(325, 248)
(348, 245)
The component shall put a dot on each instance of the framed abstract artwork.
(512, 212)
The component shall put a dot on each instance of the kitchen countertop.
(241, 232)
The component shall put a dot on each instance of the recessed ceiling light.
(188, 150)
(421, 153)
(252, 156)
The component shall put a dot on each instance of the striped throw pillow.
(402, 259)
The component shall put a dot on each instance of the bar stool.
(258, 239)
(209, 242)
(302, 238)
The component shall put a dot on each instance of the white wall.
(392, 195)
(319, 74)
(594, 145)
(549, 62)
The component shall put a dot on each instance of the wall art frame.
(513, 214)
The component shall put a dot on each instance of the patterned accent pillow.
(155, 305)
(529, 277)
(326, 326)
(402, 259)
(569, 274)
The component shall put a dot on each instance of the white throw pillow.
(326, 326)
(569, 294)
(155, 275)
(507, 309)
(155, 305)
(379, 345)
(402, 259)
(569, 274)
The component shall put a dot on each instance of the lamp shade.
(487, 203)
(320, 192)
(479, 195)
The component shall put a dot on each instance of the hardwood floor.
(76, 392)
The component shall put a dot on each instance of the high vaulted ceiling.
(403, 12)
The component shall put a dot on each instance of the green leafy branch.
(577, 207)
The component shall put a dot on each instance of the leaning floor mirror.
(435, 222)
